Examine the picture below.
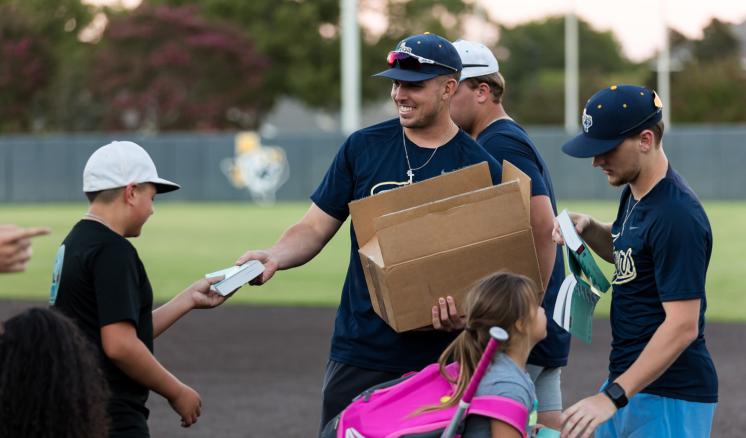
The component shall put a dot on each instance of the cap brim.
(583, 146)
(399, 74)
(164, 185)
(475, 72)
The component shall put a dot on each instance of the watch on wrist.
(617, 395)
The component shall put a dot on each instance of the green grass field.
(182, 241)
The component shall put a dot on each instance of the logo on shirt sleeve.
(56, 275)
(624, 267)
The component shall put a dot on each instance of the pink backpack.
(387, 410)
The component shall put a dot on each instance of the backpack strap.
(503, 409)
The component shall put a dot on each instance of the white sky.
(637, 24)
(122, 3)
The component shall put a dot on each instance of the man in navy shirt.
(477, 108)
(421, 143)
(660, 244)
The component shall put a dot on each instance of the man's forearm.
(297, 246)
(542, 223)
(547, 254)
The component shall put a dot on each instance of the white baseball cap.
(476, 58)
(120, 163)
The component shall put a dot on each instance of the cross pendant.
(410, 174)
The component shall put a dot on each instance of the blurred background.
(245, 102)
(183, 77)
(154, 66)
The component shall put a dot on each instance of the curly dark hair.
(50, 382)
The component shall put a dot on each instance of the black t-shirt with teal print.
(371, 156)
(507, 140)
(662, 247)
(99, 280)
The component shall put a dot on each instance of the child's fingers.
(443, 310)
(36, 231)
(20, 255)
(16, 260)
(452, 310)
(14, 233)
(436, 318)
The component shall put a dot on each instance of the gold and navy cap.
(612, 115)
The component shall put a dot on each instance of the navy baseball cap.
(422, 57)
(612, 115)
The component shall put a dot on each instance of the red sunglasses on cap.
(410, 61)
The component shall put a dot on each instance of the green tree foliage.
(26, 65)
(710, 84)
(165, 68)
(717, 43)
(58, 20)
(409, 17)
(301, 39)
(532, 60)
(712, 92)
(51, 27)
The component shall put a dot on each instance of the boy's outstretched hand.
(196, 296)
(205, 298)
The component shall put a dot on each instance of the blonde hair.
(501, 299)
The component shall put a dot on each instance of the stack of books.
(236, 276)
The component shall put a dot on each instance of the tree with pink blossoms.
(165, 68)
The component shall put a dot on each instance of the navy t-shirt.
(662, 246)
(369, 157)
(504, 139)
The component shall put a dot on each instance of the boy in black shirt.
(101, 283)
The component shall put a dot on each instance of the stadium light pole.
(350, 61)
(664, 69)
(571, 72)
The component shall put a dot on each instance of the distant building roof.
(292, 116)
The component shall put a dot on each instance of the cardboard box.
(437, 237)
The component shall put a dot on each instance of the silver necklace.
(410, 170)
(629, 212)
(95, 218)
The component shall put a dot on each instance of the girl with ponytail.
(408, 406)
(509, 301)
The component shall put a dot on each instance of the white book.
(563, 305)
(236, 276)
(569, 233)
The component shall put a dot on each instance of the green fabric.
(585, 296)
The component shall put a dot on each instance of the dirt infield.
(259, 370)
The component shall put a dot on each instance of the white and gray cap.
(120, 163)
(476, 58)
